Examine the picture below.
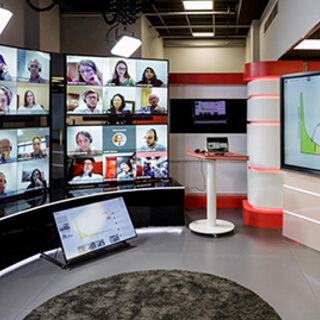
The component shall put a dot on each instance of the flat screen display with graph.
(89, 228)
(300, 121)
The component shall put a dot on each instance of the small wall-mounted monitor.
(214, 112)
(87, 229)
(300, 122)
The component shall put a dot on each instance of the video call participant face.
(91, 98)
(5, 98)
(84, 140)
(2, 182)
(125, 167)
(149, 74)
(35, 69)
(121, 69)
(87, 166)
(36, 145)
(150, 138)
(118, 102)
(29, 98)
(153, 100)
(88, 71)
(5, 149)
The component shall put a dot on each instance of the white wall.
(294, 20)
(231, 176)
(86, 34)
(205, 60)
(152, 45)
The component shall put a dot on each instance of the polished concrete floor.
(284, 273)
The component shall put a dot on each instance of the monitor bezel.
(285, 166)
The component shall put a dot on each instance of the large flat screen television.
(300, 122)
(24, 161)
(24, 82)
(100, 85)
(97, 154)
(86, 229)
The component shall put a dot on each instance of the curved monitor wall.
(24, 124)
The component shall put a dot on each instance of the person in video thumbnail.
(149, 77)
(117, 104)
(3, 192)
(91, 99)
(154, 107)
(5, 150)
(151, 139)
(89, 73)
(35, 67)
(120, 75)
(84, 140)
(4, 73)
(5, 99)
(127, 172)
(29, 105)
(37, 152)
(87, 175)
(37, 181)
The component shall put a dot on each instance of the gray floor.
(285, 274)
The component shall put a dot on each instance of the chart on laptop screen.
(92, 227)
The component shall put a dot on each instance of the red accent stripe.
(264, 169)
(264, 96)
(271, 68)
(262, 217)
(206, 78)
(155, 120)
(223, 201)
(313, 66)
(265, 123)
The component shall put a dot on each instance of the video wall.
(97, 85)
(116, 153)
(24, 161)
(24, 81)
(300, 124)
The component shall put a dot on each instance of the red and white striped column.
(265, 179)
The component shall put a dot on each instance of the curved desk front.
(31, 231)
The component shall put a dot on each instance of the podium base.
(202, 226)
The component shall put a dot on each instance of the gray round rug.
(157, 294)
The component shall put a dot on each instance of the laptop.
(217, 145)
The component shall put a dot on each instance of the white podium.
(212, 225)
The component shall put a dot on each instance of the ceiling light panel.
(198, 5)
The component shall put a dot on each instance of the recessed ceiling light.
(202, 34)
(198, 5)
(308, 44)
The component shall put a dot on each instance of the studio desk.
(27, 226)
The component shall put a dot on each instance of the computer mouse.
(197, 150)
